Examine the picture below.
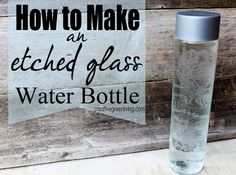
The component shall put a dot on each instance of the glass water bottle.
(196, 45)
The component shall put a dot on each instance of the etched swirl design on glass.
(191, 101)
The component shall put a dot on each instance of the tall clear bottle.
(195, 57)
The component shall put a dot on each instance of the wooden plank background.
(168, 4)
(77, 133)
(156, 4)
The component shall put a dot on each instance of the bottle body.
(193, 81)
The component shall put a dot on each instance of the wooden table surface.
(220, 160)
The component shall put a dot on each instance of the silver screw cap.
(197, 26)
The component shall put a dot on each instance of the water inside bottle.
(191, 102)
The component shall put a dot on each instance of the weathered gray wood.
(160, 45)
(163, 4)
(160, 27)
(77, 134)
(150, 4)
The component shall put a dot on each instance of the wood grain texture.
(152, 4)
(220, 160)
(168, 4)
(160, 26)
(77, 134)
